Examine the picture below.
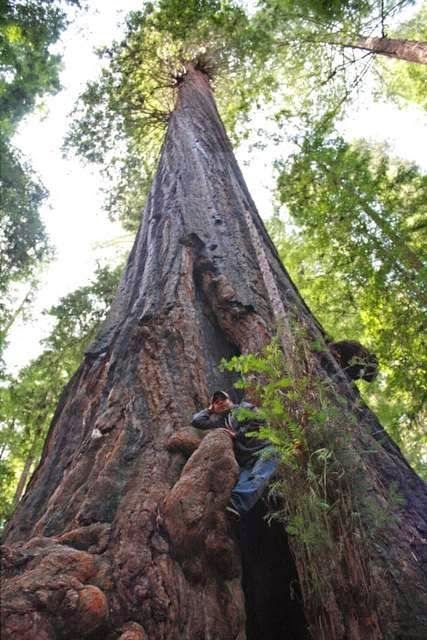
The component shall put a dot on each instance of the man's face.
(221, 405)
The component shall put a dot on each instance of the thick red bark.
(116, 531)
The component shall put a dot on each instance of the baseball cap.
(217, 395)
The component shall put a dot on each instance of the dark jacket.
(245, 447)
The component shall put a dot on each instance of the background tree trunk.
(23, 479)
(409, 50)
(118, 535)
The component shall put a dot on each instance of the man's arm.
(205, 420)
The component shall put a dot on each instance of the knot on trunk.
(132, 631)
(184, 441)
(223, 289)
(194, 511)
(93, 538)
(46, 594)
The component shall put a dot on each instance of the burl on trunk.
(122, 531)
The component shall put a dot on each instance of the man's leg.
(252, 482)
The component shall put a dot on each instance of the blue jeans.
(252, 481)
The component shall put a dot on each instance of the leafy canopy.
(28, 68)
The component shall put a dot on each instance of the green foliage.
(331, 20)
(325, 11)
(404, 82)
(28, 70)
(23, 240)
(28, 401)
(355, 246)
(321, 491)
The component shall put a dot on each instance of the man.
(255, 457)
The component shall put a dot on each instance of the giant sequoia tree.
(122, 531)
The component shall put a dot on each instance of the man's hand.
(222, 405)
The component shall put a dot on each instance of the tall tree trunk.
(409, 50)
(406, 256)
(118, 534)
(16, 313)
(31, 456)
(23, 479)
(7, 433)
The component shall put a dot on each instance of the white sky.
(77, 226)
